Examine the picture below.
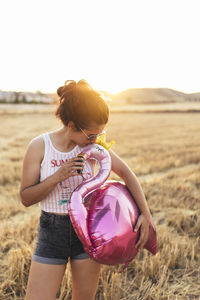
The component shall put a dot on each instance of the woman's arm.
(124, 172)
(32, 190)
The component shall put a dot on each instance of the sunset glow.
(114, 45)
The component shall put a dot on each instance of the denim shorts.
(57, 240)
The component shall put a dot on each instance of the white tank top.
(56, 201)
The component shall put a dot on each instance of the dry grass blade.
(164, 152)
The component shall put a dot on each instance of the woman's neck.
(61, 139)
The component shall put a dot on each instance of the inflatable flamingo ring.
(104, 214)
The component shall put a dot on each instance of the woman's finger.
(139, 242)
(143, 239)
(143, 242)
(137, 226)
(74, 161)
(75, 168)
(75, 165)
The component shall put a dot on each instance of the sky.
(113, 44)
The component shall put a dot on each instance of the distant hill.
(129, 96)
(152, 96)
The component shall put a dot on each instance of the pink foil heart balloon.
(104, 214)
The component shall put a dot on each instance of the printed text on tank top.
(56, 201)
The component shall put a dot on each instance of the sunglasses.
(92, 136)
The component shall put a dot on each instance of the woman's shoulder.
(36, 146)
(37, 141)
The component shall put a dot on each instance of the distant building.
(24, 97)
(194, 99)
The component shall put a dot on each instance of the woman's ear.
(71, 126)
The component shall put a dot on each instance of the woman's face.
(84, 137)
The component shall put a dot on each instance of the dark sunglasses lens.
(92, 137)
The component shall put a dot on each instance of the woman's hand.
(72, 167)
(142, 224)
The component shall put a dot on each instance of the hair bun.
(66, 88)
(60, 91)
(84, 84)
(70, 83)
(80, 103)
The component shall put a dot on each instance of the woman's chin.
(84, 145)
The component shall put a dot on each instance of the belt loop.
(53, 218)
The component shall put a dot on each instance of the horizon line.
(100, 90)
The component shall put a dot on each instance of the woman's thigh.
(44, 281)
(85, 276)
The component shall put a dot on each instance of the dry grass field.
(163, 149)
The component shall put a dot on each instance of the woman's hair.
(80, 103)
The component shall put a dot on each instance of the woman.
(51, 171)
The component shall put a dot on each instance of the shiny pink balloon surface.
(104, 214)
